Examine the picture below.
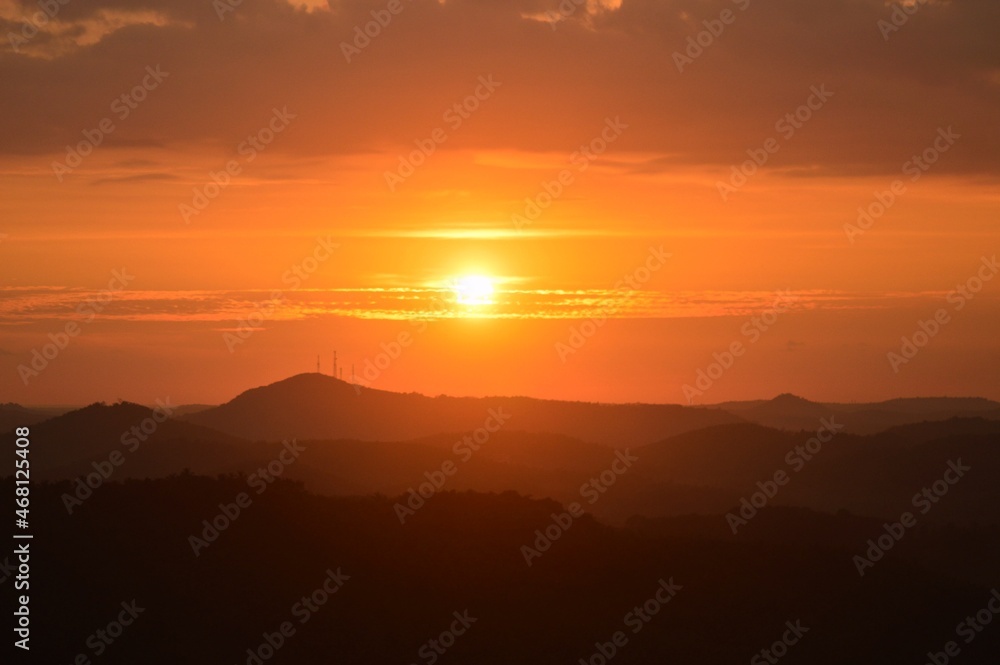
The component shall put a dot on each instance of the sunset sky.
(239, 174)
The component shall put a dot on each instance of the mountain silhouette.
(708, 470)
(151, 443)
(315, 406)
(14, 415)
(790, 412)
(664, 513)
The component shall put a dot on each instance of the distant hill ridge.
(315, 406)
(791, 412)
(322, 407)
(705, 469)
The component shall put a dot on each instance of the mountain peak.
(790, 399)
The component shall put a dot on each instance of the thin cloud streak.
(39, 304)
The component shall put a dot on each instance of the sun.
(473, 290)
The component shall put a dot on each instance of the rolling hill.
(315, 406)
(790, 412)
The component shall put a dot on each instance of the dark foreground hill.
(314, 406)
(452, 586)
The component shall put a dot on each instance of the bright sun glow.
(473, 290)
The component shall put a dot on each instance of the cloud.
(401, 299)
(890, 97)
(136, 178)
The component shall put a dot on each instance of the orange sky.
(310, 233)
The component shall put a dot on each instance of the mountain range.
(688, 460)
(324, 470)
